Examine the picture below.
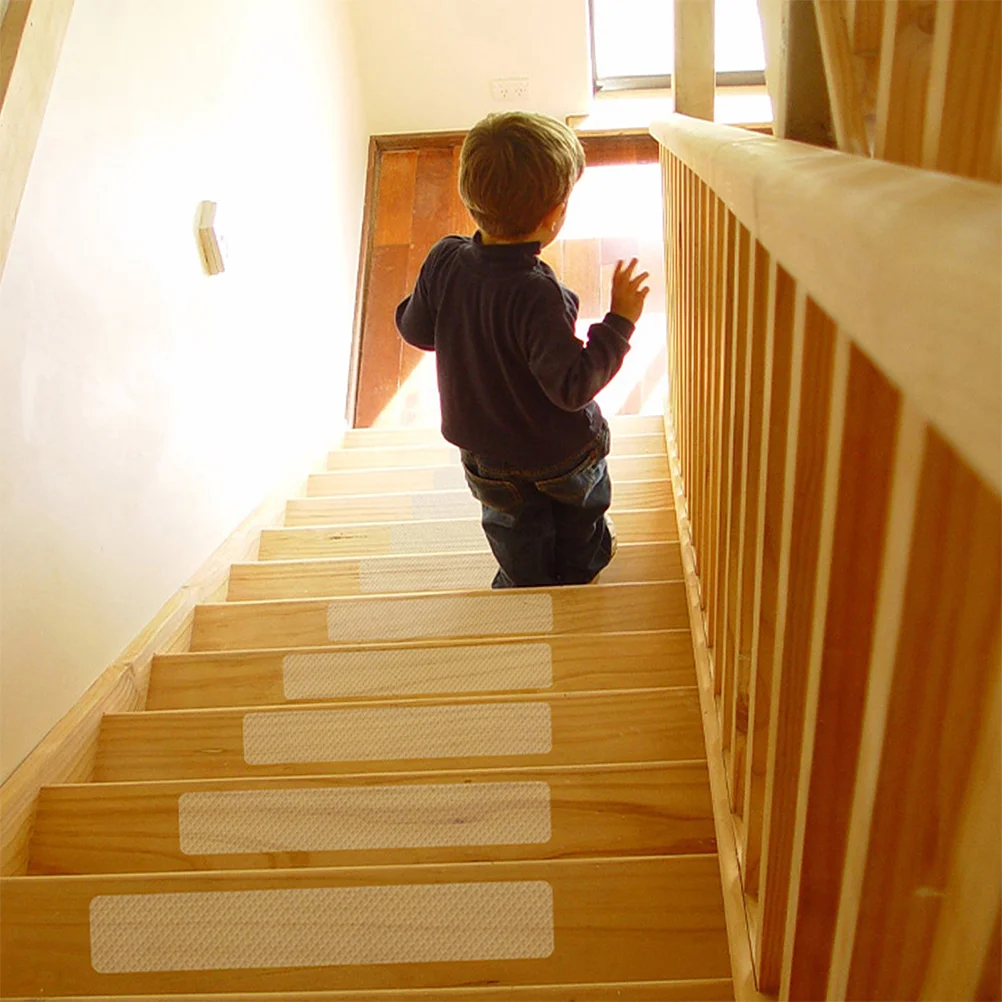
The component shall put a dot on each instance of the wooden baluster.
(732, 387)
(931, 732)
(905, 58)
(909, 449)
(744, 289)
(748, 595)
(784, 731)
(845, 88)
(721, 305)
(962, 111)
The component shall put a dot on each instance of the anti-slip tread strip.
(459, 536)
(457, 573)
(453, 504)
(359, 734)
(440, 616)
(488, 668)
(321, 926)
(369, 817)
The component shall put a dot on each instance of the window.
(633, 43)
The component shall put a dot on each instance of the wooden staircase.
(371, 777)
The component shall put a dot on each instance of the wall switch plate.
(515, 89)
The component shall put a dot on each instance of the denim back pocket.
(574, 487)
(501, 495)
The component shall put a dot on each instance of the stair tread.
(444, 475)
(402, 735)
(465, 816)
(432, 536)
(515, 612)
(621, 425)
(421, 505)
(356, 451)
(694, 990)
(321, 577)
(595, 920)
(586, 662)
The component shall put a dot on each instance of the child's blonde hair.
(514, 168)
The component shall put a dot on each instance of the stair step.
(449, 476)
(594, 608)
(585, 663)
(641, 725)
(443, 817)
(594, 920)
(701, 990)
(621, 425)
(438, 453)
(432, 536)
(424, 505)
(424, 572)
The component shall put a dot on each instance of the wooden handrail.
(907, 262)
(834, 430)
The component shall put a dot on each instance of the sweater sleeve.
(571, 373)
(415, 316)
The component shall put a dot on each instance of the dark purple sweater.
(515, 383)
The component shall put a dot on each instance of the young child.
(517, 387)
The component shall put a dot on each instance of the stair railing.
(835, 353)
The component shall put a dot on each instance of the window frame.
(605, 85)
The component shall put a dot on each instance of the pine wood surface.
(702, 990)
(303, 622)
(611, 924)
(449, 475)
(586, 663)
(622, 426)
(317, 578)
(359, 454)
(587, 729)
(645, 525)
(870, 525)
(634, 810)
(422, 505)
(927, 246)
(31, 40)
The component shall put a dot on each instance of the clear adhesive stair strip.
(459, 536)
(448, 572)
(360, 734)
(321, 927)
(440, 616)
(448, 478)
(445, 504)
(488, 668)
(363, 818)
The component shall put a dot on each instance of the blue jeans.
(545, 526)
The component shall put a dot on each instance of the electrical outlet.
(516, 89)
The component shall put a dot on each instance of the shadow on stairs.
(373, 778)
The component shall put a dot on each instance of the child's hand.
(628, 293)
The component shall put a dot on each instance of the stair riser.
(422, 506)
(449, 476)
(317, 623)
(254, 824)
(425, 573)
(496, 732)
(442, 536)
(552, 923)
(559, 664)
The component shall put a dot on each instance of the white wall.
(145, 408)
(427, 64)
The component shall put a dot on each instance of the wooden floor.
(416, 202)
(371, 774)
